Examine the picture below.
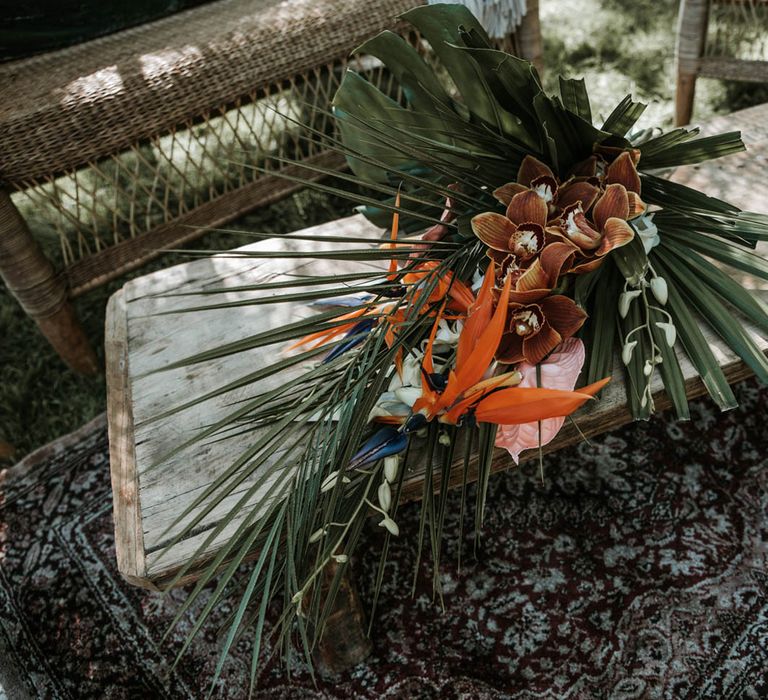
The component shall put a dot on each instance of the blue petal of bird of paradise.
(356, 335)
(334, 302)
(383, 443)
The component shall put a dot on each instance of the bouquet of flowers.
(526, 249)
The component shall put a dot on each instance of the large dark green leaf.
(421, 87)
(695, 344)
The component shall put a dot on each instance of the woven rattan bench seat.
(67, 107)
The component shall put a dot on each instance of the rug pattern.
(637, 569)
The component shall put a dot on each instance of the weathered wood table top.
(139, 342)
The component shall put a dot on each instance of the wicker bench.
(136, 142)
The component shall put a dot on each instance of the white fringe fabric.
(499, 17)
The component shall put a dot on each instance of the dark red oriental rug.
(637, 569)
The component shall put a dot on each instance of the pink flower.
(559, 371)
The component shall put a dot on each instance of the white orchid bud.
(385, 496)
(647, 368)
(340, 558)
(660, 289)
(391, 467)
(670, 332)
(316, 535)
(627, 350)
(444, 439)
(330, 481)
(390, 525)
(625, 300)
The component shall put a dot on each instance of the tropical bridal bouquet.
(529, 248)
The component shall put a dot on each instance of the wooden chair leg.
(684, 94)
(344, 642)
(31, 278)
(692, 21)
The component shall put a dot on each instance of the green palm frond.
(458, 138)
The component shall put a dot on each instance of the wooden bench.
(138, 342)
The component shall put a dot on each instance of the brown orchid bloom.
(518, 244)
(535, 176)
(607, 230)
(534, 330)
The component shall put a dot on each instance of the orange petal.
(623, 172)
(577, 191)
(461, 297)
(530, 169)
(528, 207)
(524, 405)
(393, 235)
(616, 233)
(475, 365)
(327, 334)
(563, 314)
(505, 193)
(426, 362)
(478, 317)
(494, 230)
(614, 202)
(476, 393)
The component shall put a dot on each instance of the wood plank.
(147, 499)
(153, 343)
(122, 456)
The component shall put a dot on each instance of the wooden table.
(139, 342)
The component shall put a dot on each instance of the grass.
(622, 47)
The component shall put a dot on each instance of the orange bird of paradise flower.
(494, 399)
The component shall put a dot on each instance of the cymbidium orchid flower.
(518, 245)
(537, 177)
(607, 230)
(534, 330)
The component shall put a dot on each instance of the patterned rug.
(637, 569)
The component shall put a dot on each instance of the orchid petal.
(623, 172)
(495, 230)
(577, 191)
(505, 193)
(528, 207)
(530, 169)
(616, 233)
(538, 345)
(563, 314)
(613, 202)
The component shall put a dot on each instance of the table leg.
(42, 293)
